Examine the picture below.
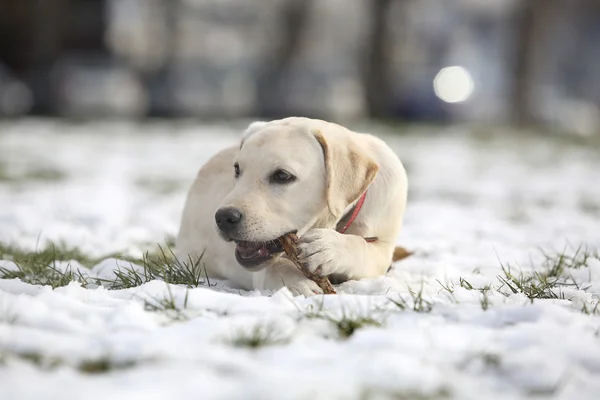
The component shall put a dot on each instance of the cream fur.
(334, 166)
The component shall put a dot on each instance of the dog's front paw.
(286, 274)
(304, 287)
(322, 251)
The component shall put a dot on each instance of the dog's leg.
(284, 273)
(326, 252)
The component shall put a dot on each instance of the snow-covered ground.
(475, 203)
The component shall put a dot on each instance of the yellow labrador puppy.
(343, 192)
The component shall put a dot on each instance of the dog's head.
(288, 175)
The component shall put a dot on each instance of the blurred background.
(517, 62)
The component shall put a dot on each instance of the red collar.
(353, 216)
(355, 212)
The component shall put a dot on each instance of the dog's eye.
(281, 176)
(236, 169)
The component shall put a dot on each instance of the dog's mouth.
(251, 254)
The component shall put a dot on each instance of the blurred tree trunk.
(163, 102)
(16, 27)
(47, 43)
(376, 75)
(271, 88)
(529, 21)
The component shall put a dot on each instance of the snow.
(475, 202)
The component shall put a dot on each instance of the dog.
(343, 193)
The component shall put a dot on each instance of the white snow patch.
(474, 203)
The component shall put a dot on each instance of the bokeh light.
(453, 84)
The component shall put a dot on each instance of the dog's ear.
(252, 129)
(349, 170)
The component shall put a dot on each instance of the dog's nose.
(227, 218)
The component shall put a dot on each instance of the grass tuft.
(485, 299)
(592, 308)
(162, 265)
(46, 255)
(419, 303)
(547, 281)
(40, 267)
(41, 174)
(89, 366)
(553, 274)
(37, 359)
(168, 306)
(486, 359)
(379, 393)
(347, 325)
(260, 335)
(103, 365)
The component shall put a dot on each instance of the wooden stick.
(288, 242)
